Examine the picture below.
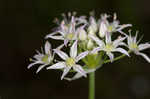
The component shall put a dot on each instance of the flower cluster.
(92, 43)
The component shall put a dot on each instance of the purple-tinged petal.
(66, 42)
(81, 55)
(79, 69)
(108, 38)
(40, 67)
(111, 56)
(60, 46)
(144, 56)
(65, 72)
(55, 37)
(58, 65)
(144, 46)
(51, 34)
(61, 54)
(76, 76)
(47, 47)
(121, 50)
(135, 38)
(117, 41)
(124, 26)
(38, 56)
(123, 33)
(123, 44)
(96, 50)
(97, 40)
(73, 50)
(30, 65)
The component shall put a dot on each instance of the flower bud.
(92, 29)
(90, 44)
(102, 29)
(82, 35)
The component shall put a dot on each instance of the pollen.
(133, 46)
(108, 47)
(110, 28)
(70, 36)
(45, 59)
(70, 61)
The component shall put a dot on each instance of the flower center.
(109, 47)
(45, 59)
(70, 36)
(133, 46)
(70, 61)
(110, 28)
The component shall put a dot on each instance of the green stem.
(92, 85)
(117, 58)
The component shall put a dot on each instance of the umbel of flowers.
(91, 43)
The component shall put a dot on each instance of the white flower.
(69, 62)
(68, 29)
(134, 46)
(44, 58)
(111, 26)
(108, 46)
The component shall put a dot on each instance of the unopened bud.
(102, 29)
(90, 44)
(82, 35)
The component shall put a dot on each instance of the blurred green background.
(24, 24)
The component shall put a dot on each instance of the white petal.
(108, 38)
(144, 46)
(97, 40)
(135, 38)
(79, 69)
(51, 34)
(60, 46)
(73, 50)
(95, 50)
(72, 26)
(38, 56)
(65, 72)
(124, 26)
(76, 76)
(47, 47)
(118, 41)
(123, 33)
(55, 37)
(30, 65)
(62, 33)
(66, 42)
(81, 55)
(82, 35)
(59, 65)
(121, 50)
(122, 44)
(130, 39)
(111, 56)
(40, 67)
(144, 56)
(61, 54)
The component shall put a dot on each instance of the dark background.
(23, 26)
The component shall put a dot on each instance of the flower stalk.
(92, 85)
